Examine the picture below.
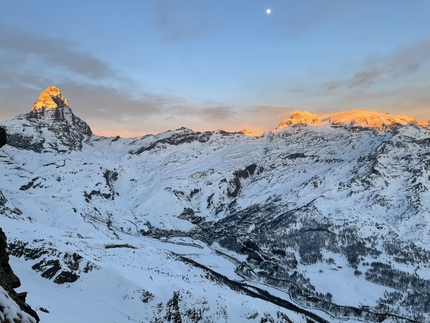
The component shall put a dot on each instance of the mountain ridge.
(332, 218)
(364, 118)
(53, 107)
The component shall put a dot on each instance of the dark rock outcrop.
(9, 281)
(2, 137)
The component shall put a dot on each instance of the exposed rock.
(48, 268)
(53, 264)
(180, 137)
(52, 114)
(9, 281)
(51, 98)
(3, 200)
(66, 277)
(54, 110)
(2, 137)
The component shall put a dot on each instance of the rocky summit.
(50, 125)
(2, 137)
(51, 98)
(324, 220)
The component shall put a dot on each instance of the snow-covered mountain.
(325, 220)
(370, 119)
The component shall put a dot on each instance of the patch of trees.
(412, 292)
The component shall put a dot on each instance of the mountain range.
(325, 219)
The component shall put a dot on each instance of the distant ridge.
(365, 118)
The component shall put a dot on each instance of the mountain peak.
(51, 98)
(51, 112)
(365, 118)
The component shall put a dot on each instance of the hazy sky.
(132, 67)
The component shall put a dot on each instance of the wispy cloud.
(212, 112)
(21, 47)
(396, 82)
(362, 79)
(410, 59)
(403, 62)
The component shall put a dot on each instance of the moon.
(268, 11)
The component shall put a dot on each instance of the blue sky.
(143, 66)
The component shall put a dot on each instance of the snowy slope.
(311, 222)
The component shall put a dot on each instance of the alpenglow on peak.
(363, 118)
(50, 99)
(49, 114)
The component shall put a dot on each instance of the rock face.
(50, 125)
(2, 137)
(369, 119)
(9, 281)
(51, 98)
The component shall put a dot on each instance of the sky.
(134, 67)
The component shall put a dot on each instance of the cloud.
(204, 111)
(216, 114)
(410, 59)
(101, 105)
(362, 79)
(106, 103)
(405, 61)
(19, 47)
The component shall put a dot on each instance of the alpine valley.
(325, 219)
